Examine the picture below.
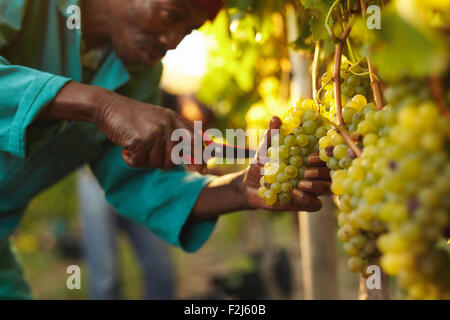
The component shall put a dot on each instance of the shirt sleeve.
(25, 93)
(160, 200)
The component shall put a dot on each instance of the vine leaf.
(401, 49)
(319, 11)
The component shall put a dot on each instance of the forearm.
(78, 102)
(223, 195)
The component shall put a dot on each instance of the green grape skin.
(302, 140)
(355, 264)
(312, 141)
(270, 197)
(284, 151)
(296, 161)
(304, 152)
(337, 139)
(365, 127)
(309, 127)
(310, 116)
(275, 187)
(261, 191)
(295, 151)
(351, 249)
(297, 131)
(289, 140)
(361, 90)
(262, 182)
(285, 197)
(324, 142)
(347, 114)
(291, 171)
(357, 118)
(340, 151)
(348, 91)
(333, 164)
(281, 178)
(353, 80)
(321, 132)
(345, 162)
(286, 187)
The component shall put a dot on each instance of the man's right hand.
(143, 130)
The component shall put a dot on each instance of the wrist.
(239, 187)
(78, 102)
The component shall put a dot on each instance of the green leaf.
(400, 49)
(319, 11)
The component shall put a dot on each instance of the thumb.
(274, 126)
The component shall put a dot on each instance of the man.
(55, 116)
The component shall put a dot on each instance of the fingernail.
(305, 184)
(311, 173)
(297, 193)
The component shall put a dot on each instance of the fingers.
(155, 159)
(196, 141)
(317, 173)
(274, 124)
(315, 187)
(303, 201)
(314, 160)
(135, 159)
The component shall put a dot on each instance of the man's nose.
(170, 40)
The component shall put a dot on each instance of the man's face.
(141, 31)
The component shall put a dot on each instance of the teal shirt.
(38, 56)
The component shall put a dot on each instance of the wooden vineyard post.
(318, 252)
(317, 230)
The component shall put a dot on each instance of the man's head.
(141, 31)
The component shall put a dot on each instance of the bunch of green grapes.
(414, 170)
(298, 138)
(359, 113)
(396, 196)
(354, 82)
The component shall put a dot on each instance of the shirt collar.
(112, 73)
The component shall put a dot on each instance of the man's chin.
(139, 61)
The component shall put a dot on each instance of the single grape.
(291, 171)
(302, 140)
(286, 187)
(289, 140)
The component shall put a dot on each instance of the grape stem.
(315, 72)
(337, 70)
(375, 85)
(374, 81)
(345, 135)
(438, 92)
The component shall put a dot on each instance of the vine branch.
(346, 135)
(437, 92)
(374, 82)
(337, 70)
(315, 72)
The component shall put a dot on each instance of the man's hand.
(143, 130)
(304, 198)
